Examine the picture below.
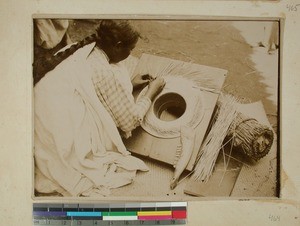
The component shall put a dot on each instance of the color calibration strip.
(159, 213)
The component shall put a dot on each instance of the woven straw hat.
(179, 104)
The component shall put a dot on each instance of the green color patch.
(119, 213)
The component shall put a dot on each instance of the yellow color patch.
(154, 213)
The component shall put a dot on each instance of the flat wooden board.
(164, 149)
(221, 182)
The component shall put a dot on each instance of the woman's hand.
(155, 87)
(140, 81)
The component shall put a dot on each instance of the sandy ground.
(266, 63)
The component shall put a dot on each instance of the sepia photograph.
(156, 108)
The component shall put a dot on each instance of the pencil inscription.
(292, 7)
(274, 218)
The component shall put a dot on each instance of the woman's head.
(116, 38)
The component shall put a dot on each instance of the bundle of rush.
(250, 136)
(213, 143)
(229, 126)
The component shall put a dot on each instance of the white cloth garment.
(50, 32)
(77, 146)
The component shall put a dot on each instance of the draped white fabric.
(77, 146)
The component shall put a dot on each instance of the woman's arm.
(119, 102)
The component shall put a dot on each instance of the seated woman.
(78, 107)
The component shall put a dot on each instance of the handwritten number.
(274, 217)
(292, 8)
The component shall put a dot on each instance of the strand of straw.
(237, 160)
(227, 164)
(224, 158)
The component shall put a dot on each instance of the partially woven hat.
(179, 104)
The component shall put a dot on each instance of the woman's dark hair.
(109, 33)
(112, 32)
